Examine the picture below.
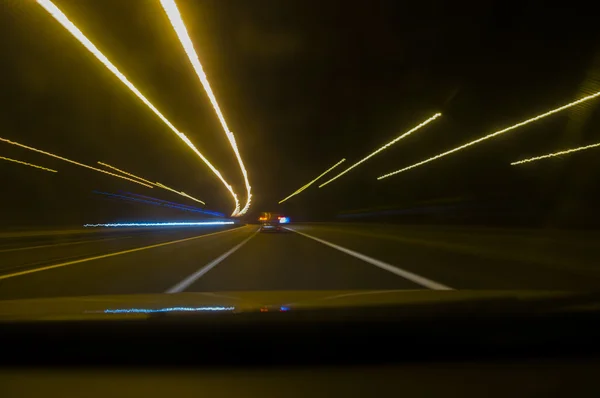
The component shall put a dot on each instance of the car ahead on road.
(272, 222)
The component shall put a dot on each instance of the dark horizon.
(302, 85)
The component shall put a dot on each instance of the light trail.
(156, 184)
(158, 224)
(74, 162)
(169, 309)
(67, 24)
(214, 213)
(551, 155)
(176, 20)
(126, 173)
(28, 164)
(158, 202)
(313, 181)
(492, 135)
(417, 127)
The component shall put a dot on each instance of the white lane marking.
(184, 284)
(79, 242)
(83, 260)
(428, 283)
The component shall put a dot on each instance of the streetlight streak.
(551, 155)
(156, 184)
(126, 173)
(67, 24)
(417, 127)
(313, 181)
(492, 135)
(176, 20)
(28, 164)
(73, 162)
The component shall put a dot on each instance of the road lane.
(146, 271)
(418, 279)
(474, 258)
(457, 258)
(35, 254)
(287, 261)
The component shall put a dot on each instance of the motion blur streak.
(169, 309)
(431, 119)
(158, 202)
(174, 16)
(214, 213)
(28, 164)
(126, 173)
(67, 24)
(551, 155)
(487, 137)
(313, 181)
(74, 162)
(229, 187)
(158, 224)
(156, 184)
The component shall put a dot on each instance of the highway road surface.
(320, 256)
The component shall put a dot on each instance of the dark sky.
(302, 84)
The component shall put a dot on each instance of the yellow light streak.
(417, 127)
(191, 197)
(67, 24)
(126, 173)
(492, 135)
(73, 162)
(551, 155)
(176, 20)
(313, 181)
(28, 164)
(151, 183)
(158, 184)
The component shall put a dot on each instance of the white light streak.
(158, 224)
(497, 133)
(67, 24)
(417, 127)
(176, 20)
(28, 164)
(313, 181)
(551, 155)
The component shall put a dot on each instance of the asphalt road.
(305, 257)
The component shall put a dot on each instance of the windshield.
(297, 147)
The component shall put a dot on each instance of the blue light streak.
(284, 220)
(168, 309)
(214, 213)
(157, 202)
(159, 224)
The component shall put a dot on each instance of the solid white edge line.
(419, 280)
(83, 260)
(184, 284)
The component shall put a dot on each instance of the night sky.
(302, 84)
